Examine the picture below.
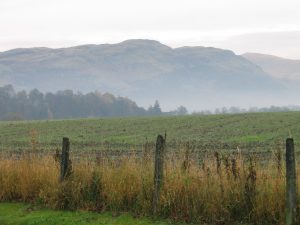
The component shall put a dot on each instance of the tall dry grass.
(218, 189)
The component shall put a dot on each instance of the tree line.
(35, 105)
(237, 110)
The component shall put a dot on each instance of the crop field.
(257, 131)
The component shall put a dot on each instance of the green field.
(24, 214)
(243, 130)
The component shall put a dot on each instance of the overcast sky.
(266, 26)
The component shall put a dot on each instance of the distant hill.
(281, 68)
(143, 70)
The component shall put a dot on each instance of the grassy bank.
(25, 214)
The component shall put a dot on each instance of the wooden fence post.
(291, 195)
(158, 171)
(65, 164)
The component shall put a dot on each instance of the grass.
(26, 214)
(239, 190)
(264, 129)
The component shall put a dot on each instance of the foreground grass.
(227, 189)
(24, 214)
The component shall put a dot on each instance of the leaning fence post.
(158, 171)
(291, 195)
(65, 166)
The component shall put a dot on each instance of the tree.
(155, 109)
(64, 104)
(181, 110)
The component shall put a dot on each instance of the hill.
(143, 70)
(281, 68)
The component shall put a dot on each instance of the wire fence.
(196, 150)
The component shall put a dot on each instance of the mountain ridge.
(278, 67)
(143, 70)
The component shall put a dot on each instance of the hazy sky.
(266, 26)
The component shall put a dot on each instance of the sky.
(264, 26)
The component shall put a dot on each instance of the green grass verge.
(24, 214)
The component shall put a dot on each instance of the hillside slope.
(286, 69)
(143, 70)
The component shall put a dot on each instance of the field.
(257, 131)
(216, 187)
